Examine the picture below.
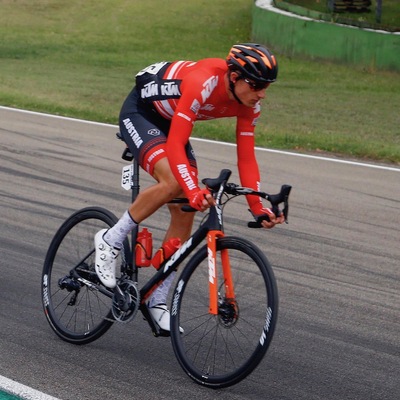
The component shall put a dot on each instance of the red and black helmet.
(253, 61)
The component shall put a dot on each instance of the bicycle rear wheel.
(221, 350)
(76, 305)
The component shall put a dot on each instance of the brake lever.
(275, 200)
(286, 191)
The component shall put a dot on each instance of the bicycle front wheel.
(221, 350)
(76, 305)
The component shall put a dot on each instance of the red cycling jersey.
(186, 91)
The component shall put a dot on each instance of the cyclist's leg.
(182, 222)
(145, 136)
(146, 141)
(147, 202)
(152, 198)
(180, 227)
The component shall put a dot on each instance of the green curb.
(7, 396)
(294, 35)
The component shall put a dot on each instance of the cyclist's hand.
(268, 218)
(201, 199)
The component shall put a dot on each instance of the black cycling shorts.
(145, 133)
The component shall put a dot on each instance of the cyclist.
(156, 122)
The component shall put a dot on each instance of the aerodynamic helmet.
(253, 61)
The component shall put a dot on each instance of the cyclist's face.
(248, 93)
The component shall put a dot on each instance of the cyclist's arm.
(181, 128)
(249, 172)
(177, 139)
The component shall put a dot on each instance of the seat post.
(135, 180)
(135, 187)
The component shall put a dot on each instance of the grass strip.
(79, 59)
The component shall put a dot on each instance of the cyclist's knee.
(170, 189)
(169, 186)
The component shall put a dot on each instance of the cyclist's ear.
(235, 76)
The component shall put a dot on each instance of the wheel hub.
(228, 312)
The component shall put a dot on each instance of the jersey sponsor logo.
(204, 117)
(170, 89)
(184, 116)
(152, 69)
(153, 132)
(207, 107)
(195, 107)
(246, 133)
(137, 140)
(209, 85)
(155, 154)
(160, 90)
(149, 90)
(185, 175)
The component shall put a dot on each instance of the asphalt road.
(336, 262)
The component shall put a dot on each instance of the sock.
(116, 235)
(160, 295)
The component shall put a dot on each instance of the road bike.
(225, 303)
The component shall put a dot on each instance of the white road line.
(25, 392)
(288, 153)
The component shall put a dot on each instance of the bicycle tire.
(86, 318)
(220, 351)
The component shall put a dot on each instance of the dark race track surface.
(336, 262)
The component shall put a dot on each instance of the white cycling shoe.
(105, 262)
(161, 317)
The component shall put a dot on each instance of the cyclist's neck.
(230, 88)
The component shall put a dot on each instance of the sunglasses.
(256, 86)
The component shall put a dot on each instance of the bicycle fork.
(212, 237)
